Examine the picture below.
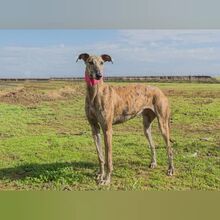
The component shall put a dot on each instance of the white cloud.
(134, 52)
(181, 36)
(156, 46)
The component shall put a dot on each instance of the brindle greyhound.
(106, 105)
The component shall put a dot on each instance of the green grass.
(47, 145)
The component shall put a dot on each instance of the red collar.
(91, 82)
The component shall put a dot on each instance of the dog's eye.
(91, 63)
(101, 62)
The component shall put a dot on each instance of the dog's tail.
(172, 141)
(169, 125)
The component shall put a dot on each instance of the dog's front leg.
(108, 154)
(97, 140)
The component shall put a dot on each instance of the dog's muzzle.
(98, 76)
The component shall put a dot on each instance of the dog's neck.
(93, 86)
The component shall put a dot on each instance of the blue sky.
(48, 53)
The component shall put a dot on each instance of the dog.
(106, 105)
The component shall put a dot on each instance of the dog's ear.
(106, 58)
(83, 56)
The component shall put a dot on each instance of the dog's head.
(94, 64)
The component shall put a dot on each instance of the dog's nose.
(98, 75)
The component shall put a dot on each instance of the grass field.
(46, 143)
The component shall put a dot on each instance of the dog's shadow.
(49, 170)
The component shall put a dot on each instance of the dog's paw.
(100, 177)
(170, 171)
(105, 182)
(153, 165)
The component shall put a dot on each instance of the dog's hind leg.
(164, 128)
(97, 139)
(148, 117)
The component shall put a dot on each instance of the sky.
(53, 53)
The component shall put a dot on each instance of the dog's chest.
(96, 110)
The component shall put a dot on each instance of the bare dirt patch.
(30, 96)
